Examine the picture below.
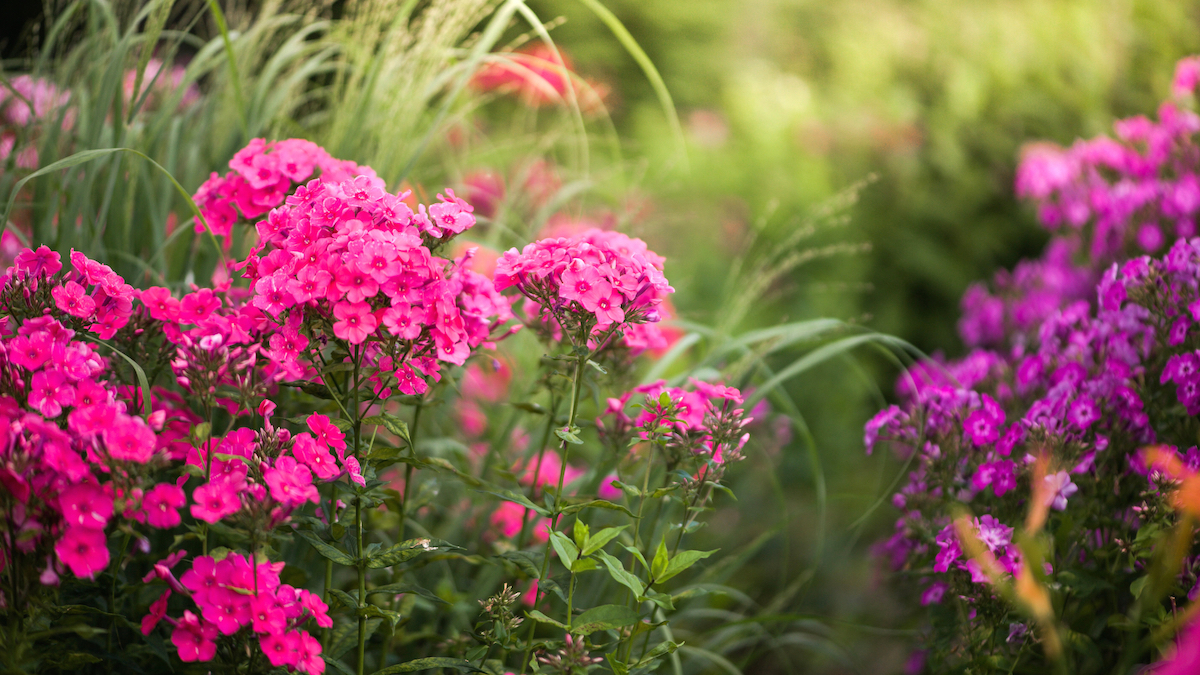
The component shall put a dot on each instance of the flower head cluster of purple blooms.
(1084, 356)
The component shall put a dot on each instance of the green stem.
(358, 528)
(576, 386)
(408, 469)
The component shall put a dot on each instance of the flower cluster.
(74, 454)
(261, 175)
(25, 103)
(1079, 362)
(354, 262)
(237, 593)
(534, 74)
(591, 285)
(1105, 199)
(160, 86)
(706, 420)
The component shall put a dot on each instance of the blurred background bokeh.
(862, 149)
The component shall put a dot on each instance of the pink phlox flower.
(49, 392)
(86, 505)
(354, 471)
(41, 262)
(267, 615)
(130, 439)
(73, 299)
(290, 482)
(316, 607)
(355, 321)
(306, 449)
(161, 505)
(327, 433)
(1059, 488)
(198, 306)
(194, 638)
(158, 609)
(84, 550)
(160, 304)
(404, 321)
(216, 500)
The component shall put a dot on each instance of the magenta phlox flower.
(217, 499)
(158, 610)
(290, 482)
(84, 550)
(161, 505)
(86, 506)
(194, 638)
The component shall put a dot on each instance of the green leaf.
(597, 541)
(392, 617)
(583, 565)
(345, 636)
(619, 574)
(528, 561)
(616, 664)
(597, 504)
(681, 562)
(659, 565)
(663, 600)
(661, 649)
(597, 366)
(392, 423)
(569, 435)
(542, 618)
(338, 664)
(429, 663)
(396, 589)
(529, 407)
(637, 554)
(404, 551)
(604, 617)
(581, 532)
(325, 549)
(565, 548)
(344, 597)
(200, 433)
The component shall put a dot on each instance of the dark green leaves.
(325, 549)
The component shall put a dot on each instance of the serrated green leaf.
(326, 549)
(663, 600)
(604, 617)
(597, 541)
